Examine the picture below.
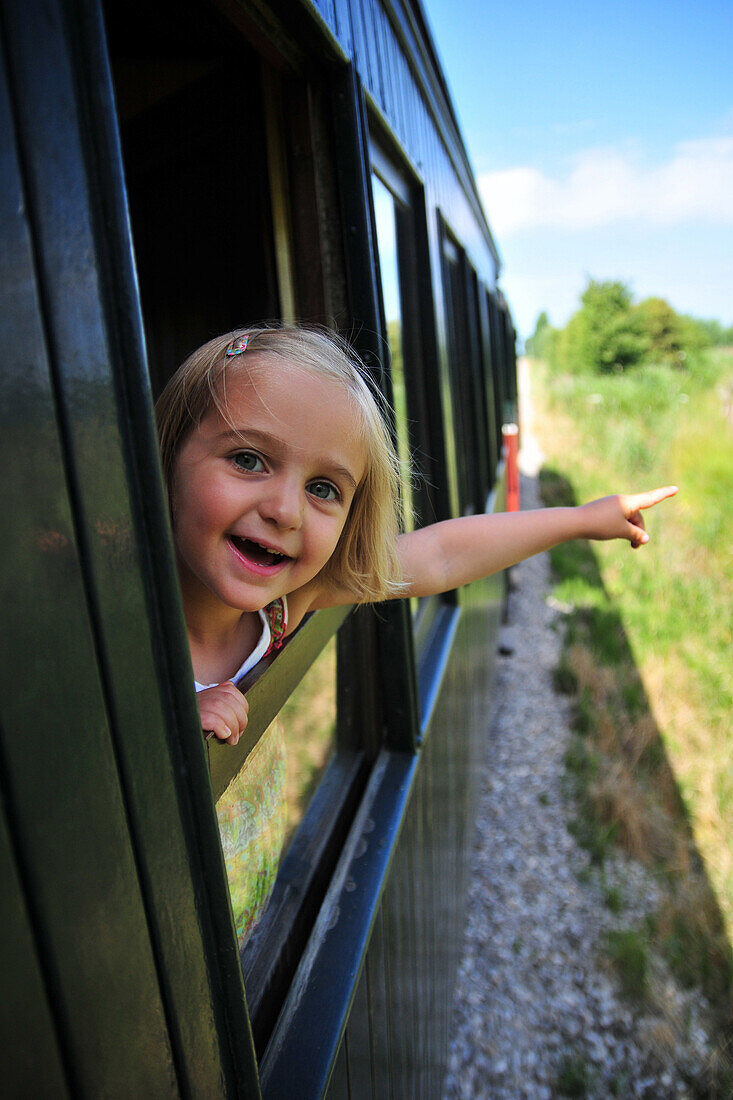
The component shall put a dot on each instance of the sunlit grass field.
(648, 645)
(657, 426)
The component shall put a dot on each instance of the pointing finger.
(648, 500)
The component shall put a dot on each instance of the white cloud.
(608, 185)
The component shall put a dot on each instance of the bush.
(670, 337)
(715, 334)
(610, 333)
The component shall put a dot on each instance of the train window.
(308, 722)
(482, 387)
(385, 214)
(462, 375)
(497, 357)
(487, 369)
(510, 363)
(219, 243)
(276, 784)
(296, 783)
(475, 384)
(397, 210)
(196, 208)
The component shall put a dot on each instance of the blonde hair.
(365, 560)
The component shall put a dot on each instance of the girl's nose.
(283, 503)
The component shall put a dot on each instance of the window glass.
(497, 364)
(460, 368)
(401, 238)
(180, 102)
(385, 211)
(261, 809)
(308, 723)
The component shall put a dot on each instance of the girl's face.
(258, 511)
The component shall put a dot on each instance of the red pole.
(510, 436)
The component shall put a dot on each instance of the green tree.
(715, 334)
(536, 345)
(670, 336)
(609, 335)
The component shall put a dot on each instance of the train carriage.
(169, 171)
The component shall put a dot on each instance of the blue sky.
(601, 135)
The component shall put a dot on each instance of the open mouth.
(257, 553)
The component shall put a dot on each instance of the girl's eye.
(324, 490)
(249, 461)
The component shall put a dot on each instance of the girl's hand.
(619, 517)
(223, 711)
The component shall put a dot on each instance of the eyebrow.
(255, 435)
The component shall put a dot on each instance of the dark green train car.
(170, 170)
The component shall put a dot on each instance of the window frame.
(497, 356)
(459, 352)
(424, 415)
(301, 178)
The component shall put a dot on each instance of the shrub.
(609, 333)
(671, 338)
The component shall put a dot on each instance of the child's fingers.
(235, 700)
(637, 535)
(224, 712)
(637, 501)
(632, 506)
(215, 726)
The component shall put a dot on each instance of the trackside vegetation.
(611, 333)
(648, 640)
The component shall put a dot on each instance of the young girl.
(283, 489)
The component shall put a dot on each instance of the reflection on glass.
(386, 218)
(308, 720)
(264, 804)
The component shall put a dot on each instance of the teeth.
(269, 550)
(274, 555)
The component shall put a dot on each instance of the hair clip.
(238, 346)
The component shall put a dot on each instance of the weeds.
(629, 953)
(613, 898)
(658, 624)
(574, 1076)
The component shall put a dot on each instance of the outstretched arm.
(457, 551)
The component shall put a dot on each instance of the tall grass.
(648, 647)
(659, 426)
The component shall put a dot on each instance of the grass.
(647, 648)
(574, 1076)
(629, 952)
(613, 898)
